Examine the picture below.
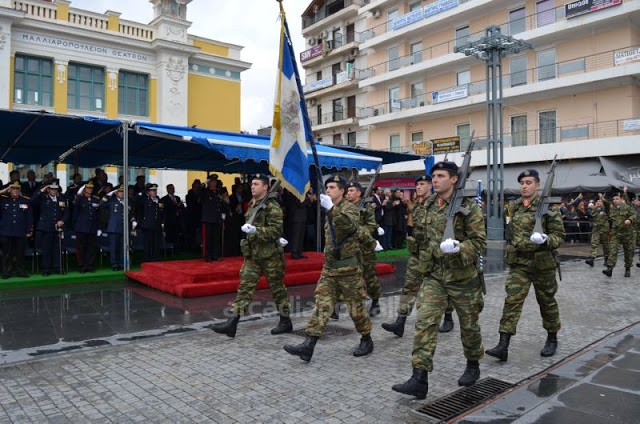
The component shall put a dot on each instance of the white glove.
(111, 193)
(99, 233)
(80, 190)
(248, 228)
(378, 247)
(538, 238)
(450, 246)
(283, 241)
(134, 224)
(326, 202)
(380, 231)
(224, 216)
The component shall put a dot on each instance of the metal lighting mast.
(492, 48)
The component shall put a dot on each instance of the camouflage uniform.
(600, 231)
(449, 275)
(341, 277)
(621, 234)
(415, 273)
(366, 235)
(532, 263)
(263, 255)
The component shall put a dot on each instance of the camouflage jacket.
(346, 219)
(263, 244)
(619, 214)
(368, 229)
(419, 236)
(469, 230)
(600, 218)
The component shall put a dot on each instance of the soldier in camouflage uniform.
(622, 219)
(531, 260)
(600, 231)
(263, 254)
(341, 277)
(636, 206)
(367, 232)
(450, 270)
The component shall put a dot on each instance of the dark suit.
(194, 215)
(211, 223)
(296, 221)
(28, 189)
(51, 211)
(378, 212)
(172, 210)
(16, 221)
(86, 222)
(150, 217)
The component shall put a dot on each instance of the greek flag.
(291, 127)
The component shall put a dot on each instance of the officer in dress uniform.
(114, 204)
(54, 212)
(86, 223)
(16, 225)
(150, 215)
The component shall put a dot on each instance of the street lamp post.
(492, 48)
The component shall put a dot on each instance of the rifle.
(481, 259)
(543, 208)
(263, 203)
(455, 206)
(369, 189)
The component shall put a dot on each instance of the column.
(111, 94)
(60, 86)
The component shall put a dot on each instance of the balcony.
(330, 12)
(340, 44)
(333, 83)
(339, 118)
(567, 77)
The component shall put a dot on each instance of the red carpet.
(196, 278)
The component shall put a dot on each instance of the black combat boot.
(304, 350)
(284, 326)
(501, 351)
(550, 345)
(608, 272)
(374, 310)
(336, 312)
(590, 261)
(638, 264)
(365, 347)
(417, 385)
(397, 327)
(627, 272)
(471, 374)
(447, 324)
(228, 327)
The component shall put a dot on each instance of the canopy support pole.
(125, 183)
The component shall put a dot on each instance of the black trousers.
(12, 247)
(211, 240)
(152, 244)
(296, 233)
(50, 245)
(116, 248)
(87, 244)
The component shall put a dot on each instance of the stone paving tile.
(204, 377)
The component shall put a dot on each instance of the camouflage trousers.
(600, 236)
(342, 284)
(410, 291)
(627, 241)
(273, 270)
(369, 274)
(517, 287)
(466, 297)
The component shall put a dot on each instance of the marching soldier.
(530, 259)
(450, 272)
(367, 232)
(341, 277)
(115, 227)
(636, 206)
(86, 223)
(263, 254)
(16, 226)
(600, 230)
(150, 215)
(54, 212)
(622, 219)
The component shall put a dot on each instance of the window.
(547, 126)
(462, 35)
(336, 69)
(319, 112)
(351, 107)
(417, 97)
(518, 70)
(416, 137)
(33, 81)
(517, 21)
(463, 78)
(338, 111)
(391, 16)
(351, 139)
(546, 64)
(464, 132)
(394, 142)
(351, 33)
(319, 75)
(519, 130)
(415, 6)
(545, 13)
(337, 38)
(394, 99)
(337, 139)
(394, 63)
(85, 90)
(416, 53)
(133, 94)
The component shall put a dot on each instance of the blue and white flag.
(291, 127)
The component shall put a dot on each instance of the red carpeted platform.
(196, 278)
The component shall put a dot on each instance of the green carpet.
(73, 277)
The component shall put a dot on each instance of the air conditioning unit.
(376, 13)
(323, 34)
(311, 41)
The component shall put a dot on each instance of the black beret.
(528, 173)
(262, 177)
(355, 184)
(423, 178)
(617, 193)
(338, 180)
(445, 166)
(152, 187)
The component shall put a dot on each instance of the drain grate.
(461, 400)
(329, 330)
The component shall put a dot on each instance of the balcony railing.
(605, 60)
(339, 78)
(513, 27)
(329, 8)
(336, 116)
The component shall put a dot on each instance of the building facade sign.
(626, 56)
(631, 125)
(452, 94)
(345, 76)
(408, 19)
(448, 144)
(317, 85)
(424, 148)
(314, 51)
(439, 7)
(80, 46)
(580, 7)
